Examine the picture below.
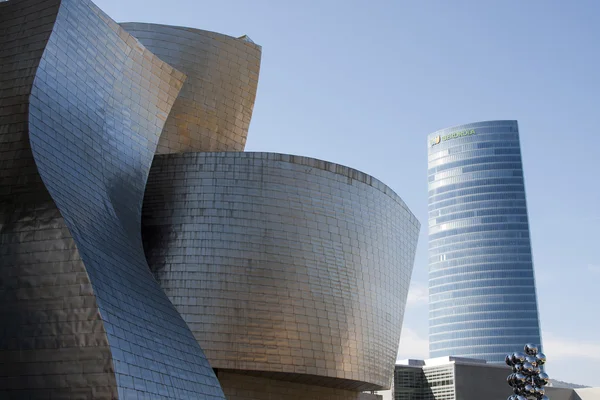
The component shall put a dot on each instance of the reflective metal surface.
(284, 265)
(482, 298)
(540, 359)
(531, 349)
(519, 357)
(530, 383)
(80, 313)
(532, 360)
(214, 108)
(543, 377)
(52, 337)
(292, 271)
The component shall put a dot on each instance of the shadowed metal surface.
(81, 315)
(285, 266)
(52, 338)
(214, 107)
(244, 387)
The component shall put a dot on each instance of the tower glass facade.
(482, 298)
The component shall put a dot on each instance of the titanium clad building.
(82, 107)
(287, 268)
(214, 108)
(482, 299)
(292, 272)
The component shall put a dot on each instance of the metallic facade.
(292, 272)
(214, 108)
(83, 106)
(482, 298)
(283, 265)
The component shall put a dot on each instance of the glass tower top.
(482, 298)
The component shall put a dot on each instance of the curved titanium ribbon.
(214, 108)
(291, 272)
(82, 114)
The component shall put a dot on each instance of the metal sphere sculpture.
(527, 379)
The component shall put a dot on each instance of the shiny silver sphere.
(540, 391)
(508, 360)
(519, 397)
(510, 378)
(518, 357)
(529, 389)
(520, 378)
(516, 384)
(517, 367)
(536, 370)
(543, 378)
(531, 360)
(527, 368)
(541, 358)
(531, 349)
(516, 389)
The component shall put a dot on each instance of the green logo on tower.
(439, 139)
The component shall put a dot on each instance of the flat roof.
(438, 361)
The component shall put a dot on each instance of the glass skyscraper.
(482, 297)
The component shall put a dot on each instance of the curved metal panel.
(286, 265)
(53, 342)
(214, 107)
(482, 299)
(96, 108)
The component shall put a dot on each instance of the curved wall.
(80, 309)
(214, 107)
(52, 338)
(482, 299)
(286, 265)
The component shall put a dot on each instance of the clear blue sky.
(362, 83)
